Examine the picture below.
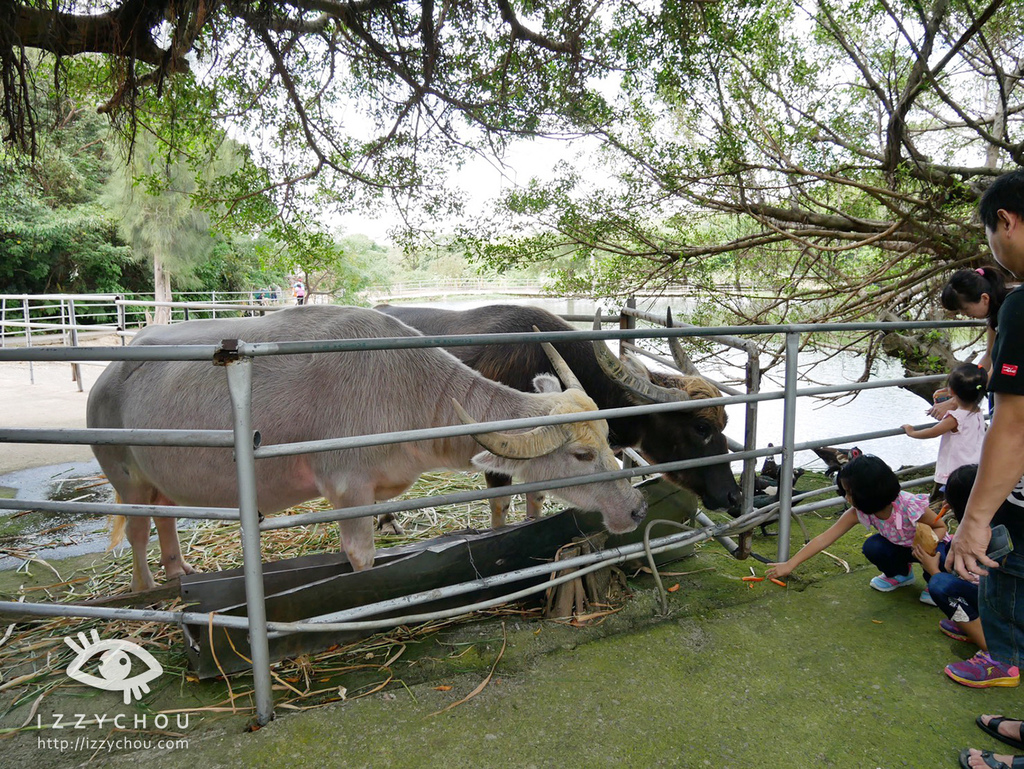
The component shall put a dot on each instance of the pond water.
(817, 419)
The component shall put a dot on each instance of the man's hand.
(966, 556)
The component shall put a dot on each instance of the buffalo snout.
(639, 513)
(735, 503)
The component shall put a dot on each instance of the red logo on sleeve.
(1008, 369)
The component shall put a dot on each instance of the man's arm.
(1000, 469)
(1002, 459)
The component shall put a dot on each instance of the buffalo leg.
(499, 505)
(534, 504)
(170, 548)
(356, 534)
(137, 531)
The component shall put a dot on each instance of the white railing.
(33, 319)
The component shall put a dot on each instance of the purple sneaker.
(981, 671)
(950, 628)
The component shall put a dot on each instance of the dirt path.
(53, 401)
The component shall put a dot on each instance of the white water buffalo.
(330, 395)
(664, 437)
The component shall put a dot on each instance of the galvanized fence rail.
(34, 319)
(237, 356)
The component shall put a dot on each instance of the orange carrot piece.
(778, 582)
(753, 579)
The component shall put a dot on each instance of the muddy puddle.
(28, 533)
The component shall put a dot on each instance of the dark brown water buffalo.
(660, 438)
(313, 397)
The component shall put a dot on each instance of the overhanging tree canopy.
(834, 150)
(334, 97)
(790, 162)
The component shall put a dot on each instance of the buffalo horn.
(678, 353)
(643, 389)
(534, 443)
(561, 367)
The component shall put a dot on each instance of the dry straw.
(34, 657)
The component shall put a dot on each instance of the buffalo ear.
(547, 383)
(492, 463)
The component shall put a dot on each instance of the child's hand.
(779, 570)
(929, 562)
(908, 429)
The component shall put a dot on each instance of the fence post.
(239, 372)
(63, 321)
(627, 321)
(76, 368)
(788, 439)
(28, 336)
(122, 320)
(750, 431)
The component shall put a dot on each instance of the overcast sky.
(483, 181)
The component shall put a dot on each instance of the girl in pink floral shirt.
(876, 502)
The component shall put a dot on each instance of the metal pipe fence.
(237, 358)
(34, 319)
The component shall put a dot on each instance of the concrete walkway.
(53, 401)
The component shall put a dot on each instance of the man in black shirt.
(1000, 471)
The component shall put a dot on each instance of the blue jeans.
(950, 592)
(892, 560)
(1001, 603)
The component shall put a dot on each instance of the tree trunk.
(921, 352)
(920, 355)
(162, 287)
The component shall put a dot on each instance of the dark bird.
(836, 458)
(770, 468)
(766, 492)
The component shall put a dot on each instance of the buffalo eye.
(703, 430)
(584, 455)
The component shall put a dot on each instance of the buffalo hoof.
(177, 569)
(389, 525)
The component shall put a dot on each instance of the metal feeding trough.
(299, 588)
